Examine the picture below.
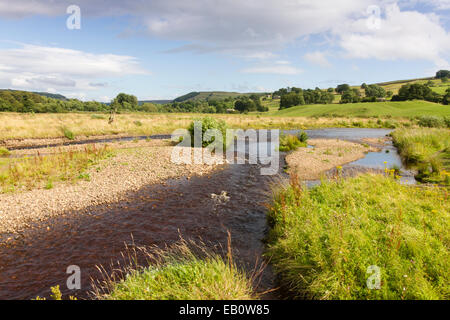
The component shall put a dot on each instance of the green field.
(372, 109)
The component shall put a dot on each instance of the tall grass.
(291, 142)
(427, 149)
(42, 171)
(4, 152)
(183, 271)
(323, 240)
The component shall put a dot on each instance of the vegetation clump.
(325, 241)
(43, 171)
(293, 142)
(179, 273)
(203, 125)
(428, 150)
(4, 152)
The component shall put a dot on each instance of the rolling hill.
(211, 95)
(373, 109)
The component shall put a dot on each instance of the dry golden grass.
(23, 126)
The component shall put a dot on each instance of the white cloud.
(38, 67)
(234, 26)
(406, 35)
(279, 69)
(258, 29)
(317, 57)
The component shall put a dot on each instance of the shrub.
(431, 122)
(290, 142)
(208, 123)
(302, 136)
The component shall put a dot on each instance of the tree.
(342, 88)
(245, 105)
(122, 101)
(375, 90)
(443, 74)
(389, 94)
(351, 96)
(291, 99)
(416, 91)
(446, 98)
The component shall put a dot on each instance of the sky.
(161, 49)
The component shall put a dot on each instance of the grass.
(4, 152)
(43, 171)
(428, 150)
(179, 273)
(366, 110)
(23, 126)
(370, 115)
(323, 240)
(293, 142)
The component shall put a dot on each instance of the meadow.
(404, 109)
(73, 125)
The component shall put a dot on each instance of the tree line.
(290, 97)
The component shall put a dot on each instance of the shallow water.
(156, 215)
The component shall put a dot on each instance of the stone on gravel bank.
(310, 163)
(135, 165)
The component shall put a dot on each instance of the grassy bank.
(43, 171)
(323, 240)
(428, 150)
(180, 274)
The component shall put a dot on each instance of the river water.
(157, 215)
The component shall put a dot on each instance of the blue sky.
(162, 49)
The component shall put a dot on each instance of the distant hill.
(52, 95)
(155, 101)
(44, 94)
(212, 95)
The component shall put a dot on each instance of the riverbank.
(134, 165)
(325, 154)
(345, 238)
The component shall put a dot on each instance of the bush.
(302, 136)
(208, 123)
(431, 122)
(323, 240)
(290, 142)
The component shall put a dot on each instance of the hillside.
(44, 94)
(211, 95)
(374, 109)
